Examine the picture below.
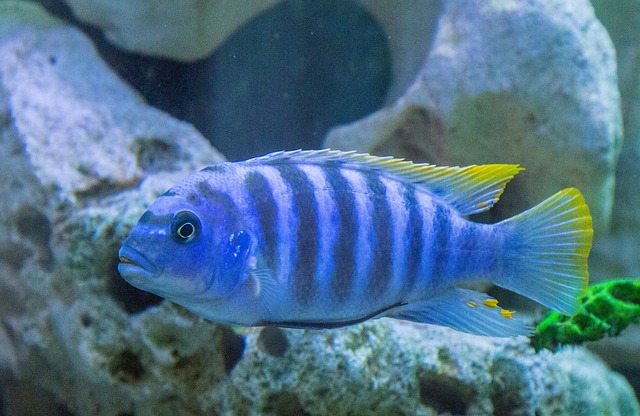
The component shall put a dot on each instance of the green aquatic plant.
(607, 308)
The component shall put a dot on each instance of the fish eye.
(186, 230)
(185, 226)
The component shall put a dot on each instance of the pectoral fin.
(261, 283)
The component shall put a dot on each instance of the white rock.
(617, 254)
(61, 96)
(622, 18)
(179, 29)
(71, 134)
(530, 82)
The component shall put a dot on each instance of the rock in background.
(83, 156)
(184, 29)
(529, 82)
(187, 30)
(618, 253)
(278, 81)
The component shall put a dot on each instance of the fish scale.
(323, 239)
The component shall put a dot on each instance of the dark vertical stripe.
(219, 199)
(465, 245)
(442, 235)
(344, 248)
(415, 244)
(265, 209)
(381, 271)
(305, 286)
(220, 204)
(192, 198)
(149, 218)
(473, 260)
(217, 168)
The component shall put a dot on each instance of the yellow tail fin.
(546, 251)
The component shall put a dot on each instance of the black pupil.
(185, 226)
(186, 230)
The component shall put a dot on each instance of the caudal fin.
(546, 251)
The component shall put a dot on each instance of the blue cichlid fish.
(323, 239)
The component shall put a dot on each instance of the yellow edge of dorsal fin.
(469, 189)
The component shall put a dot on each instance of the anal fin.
(463, 310)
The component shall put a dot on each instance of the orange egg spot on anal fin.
(490, 303)
(507, 313)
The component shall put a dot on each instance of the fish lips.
(134, 266)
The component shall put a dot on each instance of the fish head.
(185, 252)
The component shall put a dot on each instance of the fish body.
(322, 239)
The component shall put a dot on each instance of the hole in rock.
(86, 320)
(232, 346)
(445, 394)
(283, 404)
(131, 299)
(507, 388)
(273, 341)
(33, 225)
(126, 367)
(15, 254)
(155, 155)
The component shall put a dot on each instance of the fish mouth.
(134, 265)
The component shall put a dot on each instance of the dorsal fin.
(469, 189)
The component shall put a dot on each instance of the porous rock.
(393, 367)
(60, 95)
(76, 339)
(73, 139)
(529, 82)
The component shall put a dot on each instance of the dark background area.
(279, 82)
